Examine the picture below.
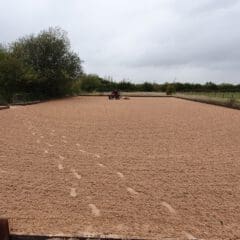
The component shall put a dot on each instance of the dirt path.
(144, 167)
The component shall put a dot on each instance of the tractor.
(114, 95)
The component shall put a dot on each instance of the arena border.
(210, 102)
(97, 237)
(92, 237)
(26, 103)
(194, 99)
(124, 94)
(204, 101)
(5, 234)
(4, 107)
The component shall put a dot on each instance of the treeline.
(94, 83)
(43, 66)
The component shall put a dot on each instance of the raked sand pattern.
(153, 168)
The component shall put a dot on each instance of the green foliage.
(54, 67)
(147, 87)
(13, 74)
(196, 87)
(90, 83)
(125, 86)
(94, 83)
(170, 89)
(107, 85)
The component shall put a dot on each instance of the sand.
(147, 167)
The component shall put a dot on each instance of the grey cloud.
(154, 40)
(214, 5)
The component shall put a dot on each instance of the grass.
(226, 99)
(225, 95)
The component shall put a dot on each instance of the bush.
(13, 75)
(147, 87)
(54, 67)
(90, 83)
(126, 86)
(170, 89)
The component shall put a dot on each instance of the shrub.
(170, 89)
(90, 83)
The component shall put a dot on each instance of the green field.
(225, 95)
(226, 99)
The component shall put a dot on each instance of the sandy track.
(145, 167)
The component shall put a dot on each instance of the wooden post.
(4, 229)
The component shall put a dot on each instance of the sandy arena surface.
(145, 167)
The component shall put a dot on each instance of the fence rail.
(5, 234)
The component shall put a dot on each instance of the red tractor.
(114, 95)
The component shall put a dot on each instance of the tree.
(55, 65)
(210, 86)
(147, 87)
(170, 89)
(126, 86)
(12, 74)
(90, 83)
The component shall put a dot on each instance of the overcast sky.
(139, 40)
